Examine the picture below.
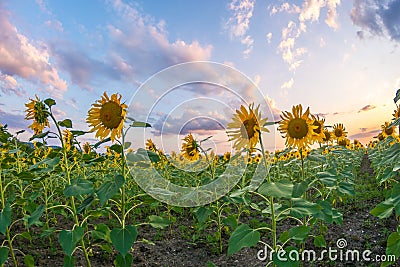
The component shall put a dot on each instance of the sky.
(340, 58)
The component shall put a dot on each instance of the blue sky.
(340, 58)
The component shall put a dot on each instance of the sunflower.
(319, 133)
(357, 144)
(190, 148)
(387, 131)
(67, 138)
(86, 148)
(297, 127)
(328, 136)
(246, 127)
(396, 113)
(37, 111)
(107, 115)
(227, 156)
(249, 160)
(150, 145)
(339, 132)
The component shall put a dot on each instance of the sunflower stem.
(67, 171)
(123, 186)
(271, 201)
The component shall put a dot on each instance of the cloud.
(13, 120)
(274, 111)
(54, 24)
(10, 86)
(378, 17)
(81, 67)
(367, 108)
(22, 58)
(269, 37)
(192, 121)
(284, 7)
(141, 46)
(365, 134)
(239, 23)
(309, 12)
(288, 84)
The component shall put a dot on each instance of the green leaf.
(123, 261)
(69, 261)
(301, 208)
(329, 179)
(319, 241)
(279, 189)
(50, 102)
(346, 188)
(231, 221)
(140, 124)
(78, 187)
(35, 216)
(325, 213)
(117, 148)
(101, 232)
(3, 254)
(202, 213)
(299, 233)
(393, 244)
(26, 176)
(67, 123)
(268, 123)
(39, 136)
(159, 222)
(299, 189)
(123, 239)
(127, 145)
(85, 203)
(382, 210)
(69, 238)
(397, 97)
(29, 260)
(242, 237)
(396, 166)
(78, 133)
(108, 189)
(5, 219)
(147, 153)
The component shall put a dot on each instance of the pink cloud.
(22, 58)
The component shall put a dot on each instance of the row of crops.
(83, 200)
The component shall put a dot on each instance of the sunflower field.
(72, 205)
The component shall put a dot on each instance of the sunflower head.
(387, 131)
(190, 148)
(151, 146)
(396, 113)
(297, 127)
(357, 144)
(67, 138)
(86, 148)
(227, 156)
(106, 116)
(339, 132)
(319, 133)
(37, 111)
(246, 128)
(328, 136)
